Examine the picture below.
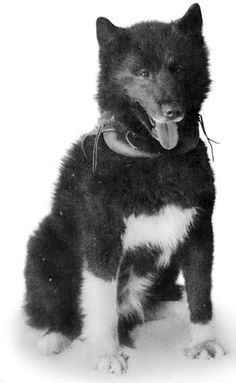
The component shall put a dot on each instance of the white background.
(48, 69)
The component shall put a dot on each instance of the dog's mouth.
(165, 131)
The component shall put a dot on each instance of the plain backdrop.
(48, 74)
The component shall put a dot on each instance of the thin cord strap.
(200, 119)
(95, 147)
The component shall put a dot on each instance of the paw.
(52, 343)
(113, 364)
(205, 350)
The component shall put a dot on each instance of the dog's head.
(158, 72)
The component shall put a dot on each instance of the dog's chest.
(164, 230)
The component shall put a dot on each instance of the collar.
(114, 143)
(123, 147)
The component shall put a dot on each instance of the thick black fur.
(86, 220)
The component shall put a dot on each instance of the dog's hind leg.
(165, 287)
(52, 285)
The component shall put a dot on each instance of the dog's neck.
(124, 141)
(132, 138)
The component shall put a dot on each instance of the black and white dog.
(134, 201)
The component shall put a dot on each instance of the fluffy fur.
(115, 240)
(164, 230)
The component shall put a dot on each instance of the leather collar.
(114, 143)
(124, 146)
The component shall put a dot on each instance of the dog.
(134, 201)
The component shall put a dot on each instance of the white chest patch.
(163, 230)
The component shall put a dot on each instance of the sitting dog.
(133, 204)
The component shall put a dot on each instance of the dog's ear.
(191, 22)
(107, 32)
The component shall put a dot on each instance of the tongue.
(167, 134)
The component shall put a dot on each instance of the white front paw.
(113, 364)
(205, 350)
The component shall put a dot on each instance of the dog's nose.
(172, 111)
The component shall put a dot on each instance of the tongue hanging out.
(166, 133)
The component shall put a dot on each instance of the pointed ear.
(106, 31)
(191, 22)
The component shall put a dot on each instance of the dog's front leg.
(197, 266)
(99, 307)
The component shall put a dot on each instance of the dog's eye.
(143, 73)
(176, 68)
